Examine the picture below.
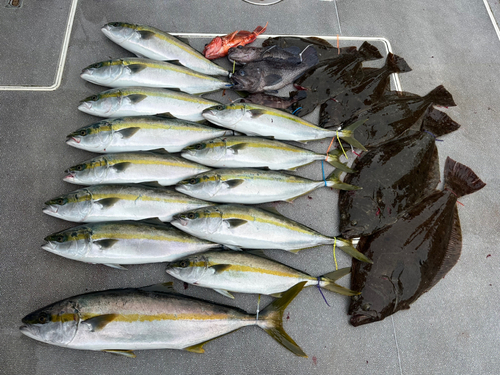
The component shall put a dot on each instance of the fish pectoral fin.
(272, 79)
(232, 35)
(125, 353)
(276, 295)
(240, 146)
(174, 62)
(145, 34)
(99, 322)
(162, 288)
(136, 68)
(256, 113)
(120, 167)
(115, 266)
(224, 293)
(235, 223)
(166, 115)
(107, 202)
(259, 253)
(152, 184)
(128, 132)
(136, 98)
(232, 247)
(219, 268)
(233, 183)
(105, 244)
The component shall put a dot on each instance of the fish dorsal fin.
(183, 40)
(319, 41)
(105, 244)
(231, 36)
(259, 253)
(152, 184)
(107, 202)
(271, 210)
(276, 295)
(235, 148)
(136, 98)
(174, 62)
(121, 167)
(128, 132)
(453, 250)
(219, 268)
(233, 183)
(225, 293)
(145, 34)
(136, 68)
(166, 115)
(153, 220)
(160, 288)
(115, 266)
(99, 322)
(125, 353)
(235, 223)
(160, 151)
(434, 174)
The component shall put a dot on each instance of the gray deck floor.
(453, 329)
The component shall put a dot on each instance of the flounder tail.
(396, 64)
(438, 122)
(272, 320)
(347, 134)
(328, 282)
(369, 52)
(440, 96)
(460, 179)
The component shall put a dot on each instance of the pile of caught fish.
(131, 216)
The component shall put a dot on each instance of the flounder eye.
(366, 307)
(242, 73)
(354, 223)
(343, 216)
(183, 263)
(191, 215)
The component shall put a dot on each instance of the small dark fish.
(390, 119)
(324, 49)
(271, 74)
(244, 55)
(332, 77)
(368, 92)
(412, 255)
(273, 101)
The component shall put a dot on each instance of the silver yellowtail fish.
(254, 119)
(241, 272)
(150, 42)
(255, 152)
(131, 71)
(122, 320)
(142, 133)
(238, 227)
(140, 101)
(133, 167)
(254, 186)
(116, 243)
(100, 203)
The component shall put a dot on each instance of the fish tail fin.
(347, 134)
(333, 180)
(396, 64)
(440, 96)
(272, 320)
(333, 159)
(369, 52)
(346, 247)
(259, 29)
(460, 179)
(438, 122)
(328, 282)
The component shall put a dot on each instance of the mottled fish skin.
(99, 203)
(253, 228)
(117, 243)
(142, 133)
(253, 186)
(254, 152)
(242, 272)
(155, 44)
(394, 177)
(244, 55)
(133, 167)
(129, 72)
(144, 101)
(155, 317)
(413, 254)
(273, 101)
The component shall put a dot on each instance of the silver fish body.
(255, 152)
(252, 186)
(117, 243)
(150, 42)
(129, 72)
(142, 133)
(143, 101)
(122, 320)
(100, 203)
(133, 167)
(242, 272)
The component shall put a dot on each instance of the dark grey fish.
(245, 54)
(412, 255)
(273, 101)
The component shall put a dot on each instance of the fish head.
(189, 270)
(55, 324)
(70, 243)
(104, 104)
(74, 206)
(94, 137)
(203, 220)
(203, 186)
(89, 172)
(119, 32)
(212, 150)
(243, 54)
(214, 49)
(103, 73)
(249, 78)
(225, 115)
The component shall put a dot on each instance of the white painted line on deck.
(61, 63)
(492, 18)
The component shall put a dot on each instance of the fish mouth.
(85, 107)
(178, 221)
(27, 331)
(50, 210)
(209, 114)
(49, 247)
(73, 140)
(70, 177)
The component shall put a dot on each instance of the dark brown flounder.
(394, 177)
(332, 77)
(412, 255)
(390, 119)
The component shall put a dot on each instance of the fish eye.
(93, 98)
(199, 146)
(59, 238)
(60, 201)
(79, 167)
(193, 181)
(219, 108)
(43, 318)
(83, 132)
(354, 223)
(115, 24)
(240, 47)
(343, 216)
(241, 73)
(366, 306)
(191, 215)
(183, 263)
